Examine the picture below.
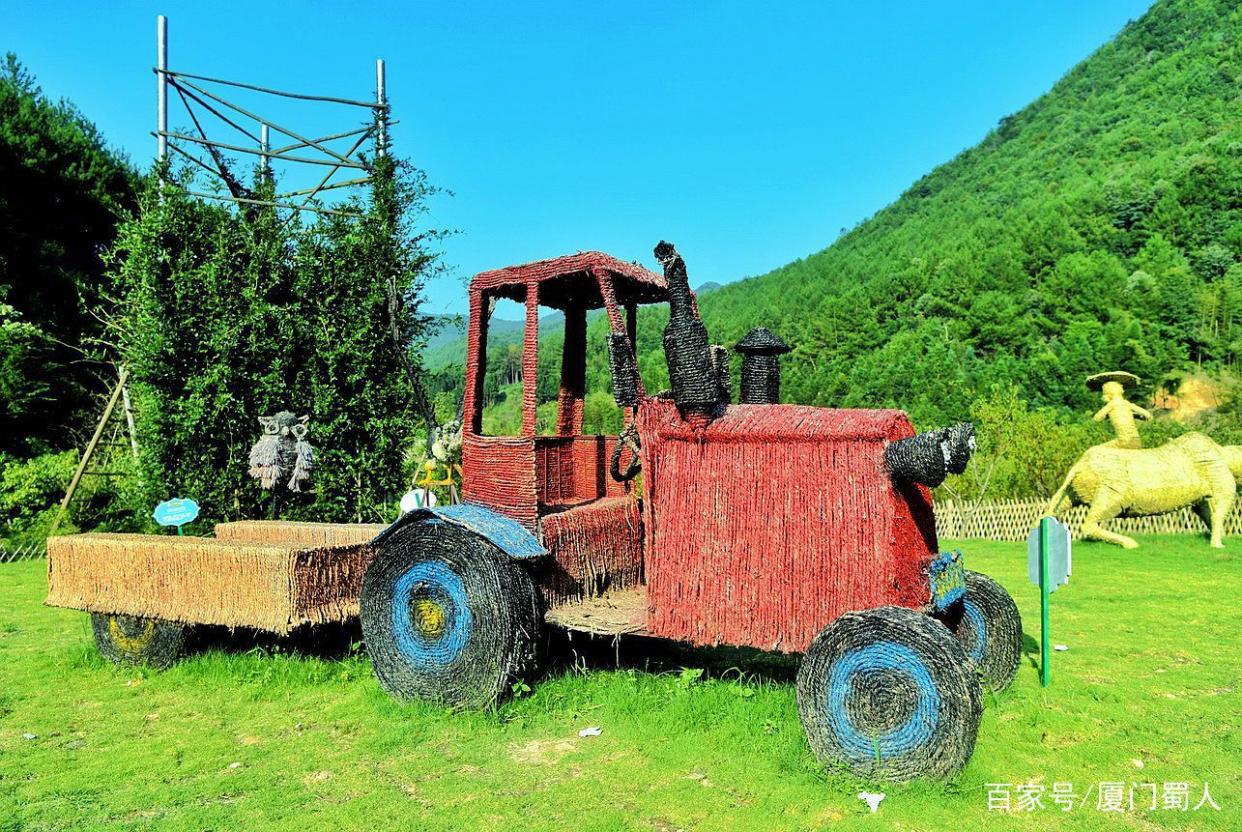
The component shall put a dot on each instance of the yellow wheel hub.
(429, 618)
(131, 644)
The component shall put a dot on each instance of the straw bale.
(291, 533)
(448, 617)
(197, 580)
(989, 628)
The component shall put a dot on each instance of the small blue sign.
(175, 512)
(1060, 553)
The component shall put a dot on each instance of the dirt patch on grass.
(541, 752)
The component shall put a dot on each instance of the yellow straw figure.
(1119, 411)
(429, 481)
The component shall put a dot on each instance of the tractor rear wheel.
(447, 617)
(989, 628)
(889, 693)
(130, 640)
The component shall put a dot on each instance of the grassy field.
(265, 737)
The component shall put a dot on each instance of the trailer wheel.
(989, 628)
(889, 693)
(130, 640)
(447, 617)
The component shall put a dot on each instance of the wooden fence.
(1014, 519)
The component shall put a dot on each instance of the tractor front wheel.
(987, 624)
(889, 693)
(130, 640)
(447, 617)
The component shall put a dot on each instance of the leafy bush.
(229, 316)
(30, 491)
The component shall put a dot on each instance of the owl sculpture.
(282, 452)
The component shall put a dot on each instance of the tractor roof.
(570, 281)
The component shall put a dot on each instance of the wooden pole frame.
(189, 87)
(117, 392)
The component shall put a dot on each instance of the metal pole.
(381, 112)
(1045, 587)
(161, 83)
(264, 145)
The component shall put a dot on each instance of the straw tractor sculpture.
(779, 527)
(1121, 478)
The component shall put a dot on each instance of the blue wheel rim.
(431, 617)
(979, 626)
(918, 727)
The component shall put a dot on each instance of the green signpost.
(1049, 562)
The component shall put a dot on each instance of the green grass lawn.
(265, 738)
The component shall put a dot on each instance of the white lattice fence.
(8, 555)
(1014, 519)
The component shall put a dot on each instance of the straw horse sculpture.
(1189, 470)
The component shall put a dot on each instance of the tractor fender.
(507, 534)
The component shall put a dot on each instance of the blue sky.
(749, 134)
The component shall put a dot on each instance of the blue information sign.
(175, 512)
(1060, 554)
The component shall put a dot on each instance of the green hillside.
(1098, 228)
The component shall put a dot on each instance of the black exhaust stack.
(761, 367)
(691, 371)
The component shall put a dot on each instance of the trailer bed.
(272, 576)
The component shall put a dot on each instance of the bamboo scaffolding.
(257, 152)
(184, 91)
(333, 137)
(302, 96)
(348, 183)
(271, 204)
(290, 133)
(331, 173)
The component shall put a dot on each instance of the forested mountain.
(1098, 228)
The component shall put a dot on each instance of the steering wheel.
(627, 439)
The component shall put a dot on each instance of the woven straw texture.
(1189, 470)
(290, 533)
(126, 640)
(447, 617)
(890, 693)
(761, 379)
(198, 580)
(989, 628)
(767, 524)
(500, 474)
(594, 548)
(624, 370)
(574, 469)
(686, 346)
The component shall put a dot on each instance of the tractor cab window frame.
(482, 306)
